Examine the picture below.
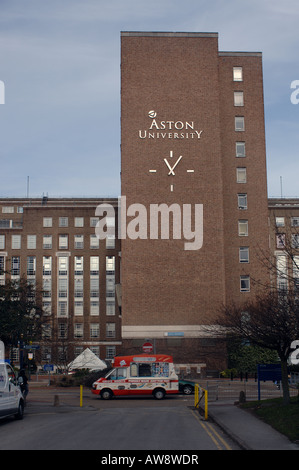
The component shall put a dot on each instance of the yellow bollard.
(81, 395)
(206, 404)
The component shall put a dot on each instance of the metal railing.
(200, 393)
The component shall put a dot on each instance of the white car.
(11, 398)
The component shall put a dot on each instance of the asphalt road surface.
(120, 424)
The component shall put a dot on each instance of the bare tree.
(270, 321)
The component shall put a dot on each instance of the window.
(94, 265)
(110, 264)
(2, 265)
(244, 283)
(93, 221)
(7, 209)
(110, 330)
(78, 265)
(239, 123)
(244, 254)
(78, 330)
(241, 175)
(243, 228)
(79, 241)
(110, 242)
(280, 240)
(47, 265)
(295, 240)
(47, 287)
(31, 242)
(295, 221)
(79, 221)
(110, 307)
(118, 373)
(63, 221)
(47, 242)
(62, 308)
(47, 308)
(110, 286)
(238, 98)
(62, 330)
(16, 242)
(78, 307)
(47, 222)
(110, 352)
(296, 268)
(62, 287)
(31, 265)
(240, 149)
(79, 287)
(2, 242)
(238, 74)
(242, 201)
(94, 307)
(279, 221)
(63, 242)
(94, 242)
(94, 330)
(15, 265)
(62, 265)
(94, 287)
(282, 272)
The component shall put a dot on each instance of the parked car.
(11, 398)
(186, 386)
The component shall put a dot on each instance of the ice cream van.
(144, 374)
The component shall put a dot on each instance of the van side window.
(145, 370)
(134, 370)
(118, 374)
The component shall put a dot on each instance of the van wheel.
(159, 393)
(106, 394)
(20, 413)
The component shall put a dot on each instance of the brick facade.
(172, 82)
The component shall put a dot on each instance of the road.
(120, 424)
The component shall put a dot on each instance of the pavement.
(249, 432)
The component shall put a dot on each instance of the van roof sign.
(122, 361)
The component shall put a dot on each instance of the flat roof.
(168, 34)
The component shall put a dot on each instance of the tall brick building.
(192, 132)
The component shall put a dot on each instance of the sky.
(60, 68)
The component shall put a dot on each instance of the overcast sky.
(60, 63)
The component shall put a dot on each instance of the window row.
(63, 265)
(63, 242)
(280, 221)
(281, 241)
(60, 355)
(77, 221)
(94, 330)
(79, 308)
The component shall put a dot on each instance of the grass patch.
(283, 418)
